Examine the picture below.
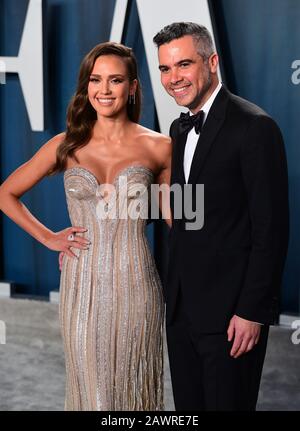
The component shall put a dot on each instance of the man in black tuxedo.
(224, 279)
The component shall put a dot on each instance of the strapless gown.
(111, 302)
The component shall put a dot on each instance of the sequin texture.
(111, 303)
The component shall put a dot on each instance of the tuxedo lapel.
(177, 169)
(212, 125)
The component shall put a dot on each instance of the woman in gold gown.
(111, 303)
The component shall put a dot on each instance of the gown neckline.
(118, 174)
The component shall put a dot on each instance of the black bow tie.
(187, 122)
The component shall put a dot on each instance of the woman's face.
(109, 86)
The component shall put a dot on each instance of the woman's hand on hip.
(67, 238)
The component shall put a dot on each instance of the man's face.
(184, 74)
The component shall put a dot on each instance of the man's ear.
(213, 62)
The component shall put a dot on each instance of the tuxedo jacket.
(234, 263)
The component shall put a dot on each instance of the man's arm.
(264, 171)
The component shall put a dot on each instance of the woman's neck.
(111, 128)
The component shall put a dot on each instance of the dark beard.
(197, 101)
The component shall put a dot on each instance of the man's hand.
(245, 333)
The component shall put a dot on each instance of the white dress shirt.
(192, 137)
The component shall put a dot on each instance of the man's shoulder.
(249, 115)
(174, 128)
(245, 108)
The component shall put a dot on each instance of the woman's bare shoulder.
(56, 140)
(153, 137)
(48, 150)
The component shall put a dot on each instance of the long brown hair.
(81, 116)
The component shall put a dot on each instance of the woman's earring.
(132, 99)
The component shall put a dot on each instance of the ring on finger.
(71, 237)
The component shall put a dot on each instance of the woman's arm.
(22, 180)
(163, 179)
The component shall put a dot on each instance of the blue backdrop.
(258, 41)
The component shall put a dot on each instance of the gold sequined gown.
(111, 304)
